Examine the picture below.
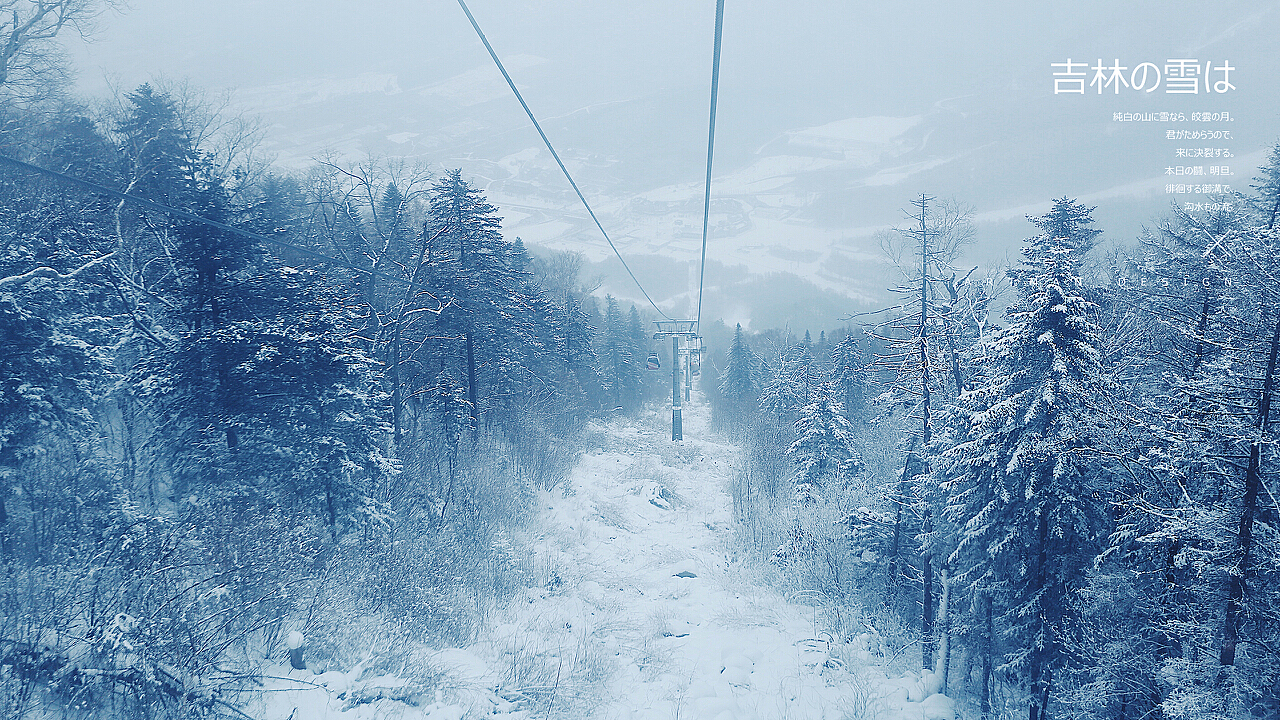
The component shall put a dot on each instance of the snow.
(769, 173)
(646, 610)
(305, 92)
(861, 140)
(479, 84)
(876, 128)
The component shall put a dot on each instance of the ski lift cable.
(711, 144)
(176, 212)
(554, 154)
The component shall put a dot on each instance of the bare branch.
(48, 272)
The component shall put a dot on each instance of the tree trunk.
(956, 376)
(397, 395)
(471, 388)
(1040, 701)
(988, 631)
(1165, 645)
(1040, 659)
(926, 567)
(224, 383)
(331, 513)
(372, 323)
(396, 399)
(899, 522)
(130, 452)
(453, 478)
(944, 631)
(6, 544)
(1237, 585)
(926, 613)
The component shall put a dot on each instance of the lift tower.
(677, 330)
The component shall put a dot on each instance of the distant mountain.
(832, 118)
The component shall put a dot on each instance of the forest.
(1072, 495)
(336, 412)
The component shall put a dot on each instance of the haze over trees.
(209, 438)
(201, 431)
(1081, 522)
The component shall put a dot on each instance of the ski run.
(648, 611)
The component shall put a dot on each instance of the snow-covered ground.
(645, 611)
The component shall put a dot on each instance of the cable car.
(694, 364)
(654, 363)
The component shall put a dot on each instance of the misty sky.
(836, 112)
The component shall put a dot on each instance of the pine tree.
(263, 399)
(793, 386)
(1175, 295)
(484, 317)
(469, 223)
(824, 450)
(738, 380)
(615, 355)
(1266, 197)
(573, 331)
(1221, 424)
(849, 374)
(638, 350)
(392, 216)
(161, 157)
(1021, 474)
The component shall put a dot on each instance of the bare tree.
(28, 35)
(368, 214)
(924, 355)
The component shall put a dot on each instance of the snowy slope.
(645, 613)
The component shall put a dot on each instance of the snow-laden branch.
(48, 272)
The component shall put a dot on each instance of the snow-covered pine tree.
(572, 331)
(469, 222)
(793, 385)
(825, 450)
(1237, 411)
(1168, 326)
(1021, 474)
(262, 400)
(638, 348)
(616, 363)
(824, 461)
(1265, 199)
(738, 379)
(1187, 547)
(485, 331)
(58, 320)
(849, 374)
(391, 217)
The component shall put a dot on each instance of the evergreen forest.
(318, 432)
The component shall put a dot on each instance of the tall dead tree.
(923, 355)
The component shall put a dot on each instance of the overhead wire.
(556, 155)
(177, 212)
(711, 144)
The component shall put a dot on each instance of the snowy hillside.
(648, 611)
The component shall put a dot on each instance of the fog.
(832, 115)
(322, 394)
